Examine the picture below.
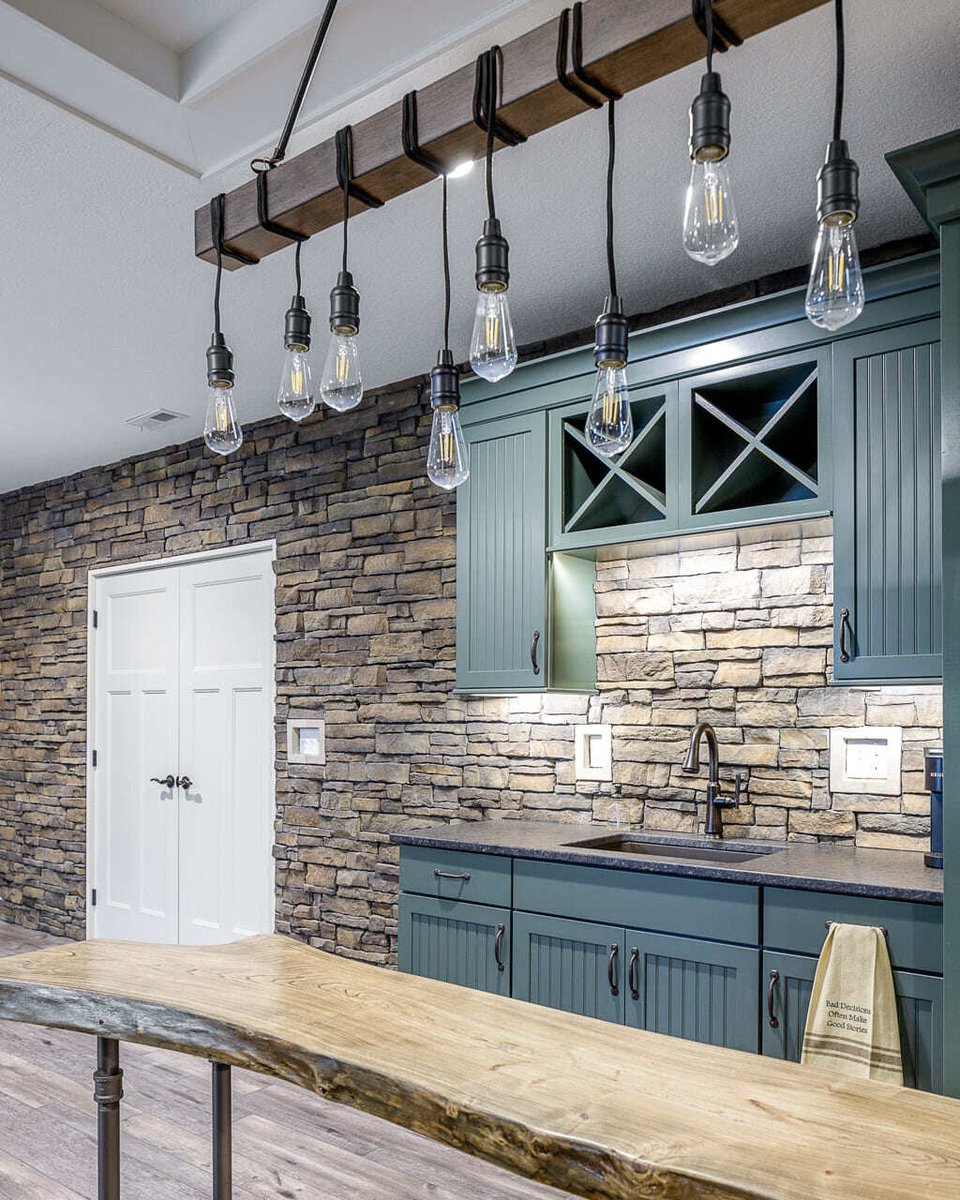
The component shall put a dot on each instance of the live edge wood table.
(597, 1109)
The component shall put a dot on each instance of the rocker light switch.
(866, 760)
(593, 752)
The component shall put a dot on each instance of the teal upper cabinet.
(887, 517)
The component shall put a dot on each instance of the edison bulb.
(835, 291)
(341, 386)
(295, 397)
(710, 229)
(221, 430)
(448, 459)
(493, 347)
(610, 423)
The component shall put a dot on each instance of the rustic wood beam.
(626, 44)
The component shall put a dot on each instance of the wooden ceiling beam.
(626, 44)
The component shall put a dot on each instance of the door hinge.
(93, 897)
(96, 618)
(93, 758)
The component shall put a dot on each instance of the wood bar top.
(597, 1109)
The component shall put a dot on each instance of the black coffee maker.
(933, 782)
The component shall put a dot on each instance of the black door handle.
(844, 628)
(498, 947)
(184, 781)
(771, 991)
(612, 969)
(168, 781)
(534, 644)
(633, 973)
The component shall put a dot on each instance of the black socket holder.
(493, 255)
(838, 191)
(445, 382)
(345, 306)
(296, 326)
(219, 363)
(610, 340)
(710, 121)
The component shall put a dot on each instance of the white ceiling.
(105, 313)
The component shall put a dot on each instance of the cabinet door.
(572, 965)
(455, 941)
(703, 991)
(788, 979)
(887, 505)
(502, 638)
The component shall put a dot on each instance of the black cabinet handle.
(612, 969)
(844, 627)
(633, 973)
(498, 946)
(168, 781)
(464, 876)
(185, 782)
(534, 644)
(771, 991)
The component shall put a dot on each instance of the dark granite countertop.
(885, 874)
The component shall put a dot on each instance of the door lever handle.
(184, 781)
(168, 781)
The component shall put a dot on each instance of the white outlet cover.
(866, 760)
(306, 743)
(593, 752)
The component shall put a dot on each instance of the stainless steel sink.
(674, 850)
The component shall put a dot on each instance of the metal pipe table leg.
(222, 1133)
(107, 1092)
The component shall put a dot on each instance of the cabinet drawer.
(795, 920)
(455, 875)
(704, 908)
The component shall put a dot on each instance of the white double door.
(183, 694)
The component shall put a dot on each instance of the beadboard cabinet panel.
(457, 942)
(887, 519)
(572, 965)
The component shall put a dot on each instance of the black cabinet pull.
(464, 876)
(612, 969)
(844, 627)
(168, 782)
(633, 973)
(185, 782)
(498, 946)
(534, 644)
(771, 990)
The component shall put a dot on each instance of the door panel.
(572, 965)
(135, 718)
(456, 941)
(226, 688)
(704, 991)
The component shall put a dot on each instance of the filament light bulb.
(295, 397)
(610, 423)
(221, 430)
(342, 384)
(710, 229)
(493, 347)
(448, 462)
(835, 295)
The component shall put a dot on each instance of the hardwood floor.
(288, 1144)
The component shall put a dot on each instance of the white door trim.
(150, 564)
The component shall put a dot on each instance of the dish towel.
(852, 1025)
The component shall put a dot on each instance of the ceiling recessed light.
(461, 169)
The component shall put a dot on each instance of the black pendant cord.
(838, 96)
(345, 187)
(572, 85)
(216, 226)
(279, 153)
(410, 136)
(576, 54)
(708, 31)
(720, 33)
(488, 70)
(445, 240)
(611, 160)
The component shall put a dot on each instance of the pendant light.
(221, 429)
(341, 386)
(610, 423)
(835, 291)
(493, 345)
(448, 460)
(295, 398)
(710, 229)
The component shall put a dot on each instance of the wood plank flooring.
(288, 1144)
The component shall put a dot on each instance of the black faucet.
(715, 798)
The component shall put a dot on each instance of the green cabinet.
(456, 941)
(788, 981)
(887, 518)
(689, 988)
(571, 965)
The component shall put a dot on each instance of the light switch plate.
(593, 752)
(306, 743)
(866, 760)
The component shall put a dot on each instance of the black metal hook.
(410, 137)
(563, 78)
(576, 51)
(723, 35)
(489, 70)
(345, 170)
